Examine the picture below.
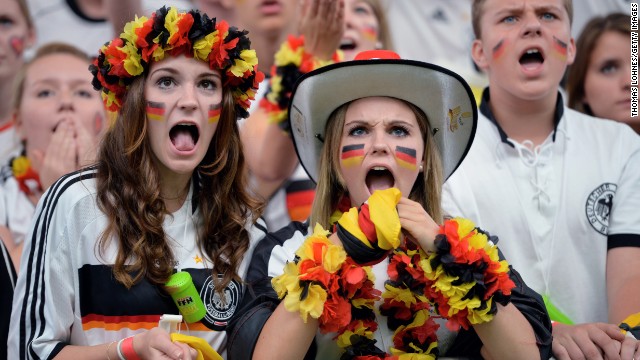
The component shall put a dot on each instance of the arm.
(623, 282)
(268, 148)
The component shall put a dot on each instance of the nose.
(66, 102)
(187, 100)
(379, 145)
(531, 25)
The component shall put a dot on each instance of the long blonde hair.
(427, 190)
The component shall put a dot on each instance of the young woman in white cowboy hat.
(389, 275)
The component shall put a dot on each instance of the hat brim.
(443, 95)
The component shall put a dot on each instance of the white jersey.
(557, 209)
(66, 293)
(18, 208)
(9, 143)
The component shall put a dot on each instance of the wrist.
(126, 350)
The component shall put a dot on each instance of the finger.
(559, 351)
(187, 351)
(612, 331)
(314, 8)
(326, 8)
(590, 346)
(628, 348)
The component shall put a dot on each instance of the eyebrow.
(173, 71)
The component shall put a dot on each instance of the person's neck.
(266, 45)
(6, 93)
(522, 119)
(174, 191)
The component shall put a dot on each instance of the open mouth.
(379, 178)
(347, 44)
(531, 57)
(184, 136)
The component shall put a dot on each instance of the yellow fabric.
(382, 209)
(205, 351)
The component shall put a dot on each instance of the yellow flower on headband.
(202, 47)
(130, 28)
(171, 22)
(249, 60)
(132, 61)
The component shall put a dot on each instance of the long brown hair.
(427, 189)
(591, 33)
(129, 195)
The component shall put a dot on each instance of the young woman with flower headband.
(167, 194)
(391, 279)
(59, 119)
(330, 31)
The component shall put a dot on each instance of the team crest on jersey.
(219, 308)
(598, 208)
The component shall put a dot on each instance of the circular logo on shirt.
(220, 308)
(598, 208)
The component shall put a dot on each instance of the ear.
(571, 51)
(478, 55)
(30, 39)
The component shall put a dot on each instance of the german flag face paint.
(498, 50)
(406, 157)
(560, 48)
(370, 32)
(352, 155)
(155, 110)
(214, 112)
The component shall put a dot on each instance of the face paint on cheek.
(406, 158)
(155, 110)
(214, 112)
(352, 155)
(17, 44)
(370, 32)
(560, 48)
(498, 50)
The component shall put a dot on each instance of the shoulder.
(279, 247)
(579, 124)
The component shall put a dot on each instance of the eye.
(609, 67)
(44, 93)
(548, 16)
(85, 94)
(357, 131)
(399, 131)
(362, 9)
(165, 82)
(208, 84)
(6, 21)
(509, 19)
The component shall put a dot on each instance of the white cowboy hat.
(443, 95)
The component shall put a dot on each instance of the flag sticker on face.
(352, 155)
(560, 48)
(214, 112)
(406, 157)
(155, 110)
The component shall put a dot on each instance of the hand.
(86, 146)
(322, 24)
(590, 341)
(60, 155)
(417, 225)
(156, 344)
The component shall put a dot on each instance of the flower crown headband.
(169, 32)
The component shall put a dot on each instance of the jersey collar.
(486, 111)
